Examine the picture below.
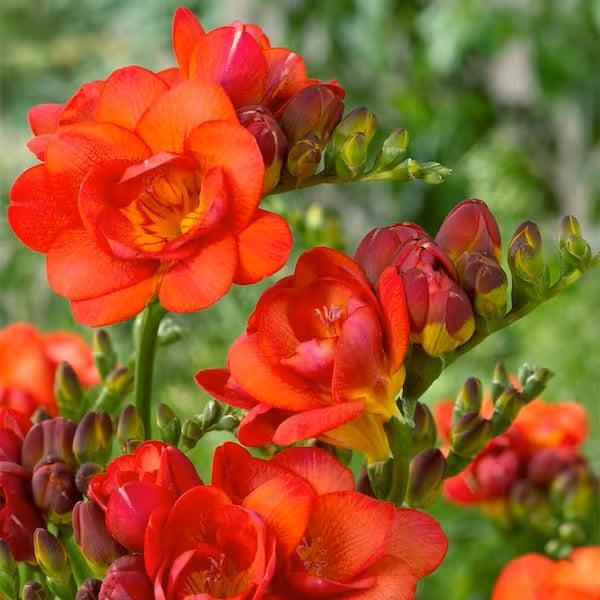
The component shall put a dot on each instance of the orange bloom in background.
(321, 357)
(145, 189)
(28, 361)
(536, 577)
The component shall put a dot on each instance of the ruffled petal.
(220, 385)
(260, 424)
(43, 118)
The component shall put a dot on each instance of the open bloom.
(536, 577)
(146, 188)
(321, 357)
(28, 361)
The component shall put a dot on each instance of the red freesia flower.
(151, 478)
(321, 357)
(147, 187)
(28, 361)
(536, 577)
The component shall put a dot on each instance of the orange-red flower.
(321, 357)
(28, 361)
(536, 577)
(146, 188)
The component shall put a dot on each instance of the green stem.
(79, 567)
(144, 361)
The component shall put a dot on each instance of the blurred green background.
(505, 92)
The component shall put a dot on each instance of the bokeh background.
(505, 92)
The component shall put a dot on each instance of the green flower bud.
(191, 433)
(469, 398)
(226, 423)
(535, 383)
(431, 172)
(93, 438)
(117, 386)
(103, 352)
(424, 433)
(507, 406)
(51, 555)
(130, 429)
(425, 476)
(211, 414)
(575, 252)
(392, 151)
(469, 434)
(168, 424)
(573, 492)
(351, 158)
(359, 120)
(68, 391)
(304, 157)
(500, 381)
(169, 331)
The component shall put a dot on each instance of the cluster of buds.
(531, 474)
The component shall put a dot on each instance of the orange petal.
(234, 149)
(232, 57)
(187, 32)
(263, 246)
(522, 577)
(418, 540)
(81, 108)
(169, 121)
(116, 306)
(219, 384)
(40, 209)
(260, 424)
(286, 75)
(127, 94)
(202, 279)
(43, 118)
(77, 268)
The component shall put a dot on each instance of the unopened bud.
(51, 555)
(506, 408)
(469, 398)
(33, 590)
(531, 276)
(68, 391)
(191, 433)
(500, 380)
(169, 331)
(573, 492)
(535, 383)
(575, 252)
(168, 424)
(469, 434)
(351, 157)
(359, 120)
(103, 352)
(89, 589)
(117, 386)
(54, 490)
(40, 414)
(130, 429)
(429, 172)
(97, 545)
(211, 414)
(424, 432)
(85, 474)
(226, 423)
(380, 477)
(528, 505)
(51, 439)
(304, 157)
(392, 151)
(425, 476)
(93, 438)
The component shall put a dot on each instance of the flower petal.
(169, 121)
(219, 384)
(187, 32)
(81, 107)
(43, 118)
(202, 279)
(260, 424)
(522, 577)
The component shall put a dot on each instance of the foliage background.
(505, 92)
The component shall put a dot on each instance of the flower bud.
(212, 413)
(33, 590)
(130, 429)
(469, 434)
(531, 276)
(548, 463)
(54, 490)
(424, 432)
(351, 157)
(169, 331)
(469, 398)
(575, 252)
(126, 579)
(98, 547)
(392, 151)
(89, 589)
(86, 472)
(51, 555)
(535, 383)
(103, 352)
(506, 407)
(68, 391)
(428, 172)
(93, 438)
(468, 228)
(270, 139)
(226, 423)
(426, 473)
(359, 120)
(118, 385)
(528, 505)
(52, 439)
(304, 157)
(573, 492)
(314, 111)
(363, 485)
(500, 380)
(486, 284)
(40, 414)
(191, 433)
(169, 424)
(9, 574)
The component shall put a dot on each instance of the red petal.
(232, 57)
(81, 107)
(390, 288)
(219, 384)
(286, 76)
(418, 540)
(311, 423)
(176, 472)
(78, 269)
(40, 209)
(234, 149)
(202, 279)
(129, 510)
(43, 118)
(170, 76)
(127, 94)
(320, 468)
(522, 577)
(263, 246)
(260, 424)
(169, 121)
(187, 32)
(456, 489)
(116, 306)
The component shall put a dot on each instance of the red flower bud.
(304, 157)
(54, 490)
(470, 227)
(99, 548)
(93, 438)
(126, 579)
(52, 439)
(547, 463)
(426, 473)
(89, 589)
